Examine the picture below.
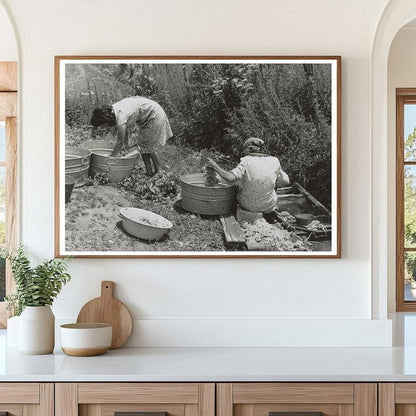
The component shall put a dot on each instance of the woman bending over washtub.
(153, 125)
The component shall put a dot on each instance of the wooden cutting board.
(107, 309)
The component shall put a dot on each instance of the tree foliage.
(219, 106)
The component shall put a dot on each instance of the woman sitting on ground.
(150, 118)
(257, 175)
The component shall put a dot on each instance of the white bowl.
(144, 224)
(83, 340)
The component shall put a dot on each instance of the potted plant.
(36, 289)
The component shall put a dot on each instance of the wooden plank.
(289, 197)
(138, 393)
(234, 235)
(90, 410)
(311, 198)
(47, 399)
(405, 410)
(8, 105)
(207, 399)
(345, 410)
(405, 393)
(224, 399)
(386, 399)
(8, 76)
(284, 190)
(252, 393)
(31, 410)
(27, 393)
(256, 246)
(66, 399)
(246, 410)
(191, 410)
(365, 403)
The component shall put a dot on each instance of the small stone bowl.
(84, 340)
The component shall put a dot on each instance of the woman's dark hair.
(103, 115)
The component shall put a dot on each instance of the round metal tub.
(77, 164)
(200, 199)
(144, 224)
(115, 168)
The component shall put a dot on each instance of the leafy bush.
(219, 106)
(162, 186)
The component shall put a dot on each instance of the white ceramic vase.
(37, 330)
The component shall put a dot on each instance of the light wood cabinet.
(108, 399)
(27, 399)
(208, 399)
(297, 399)
(397, 399)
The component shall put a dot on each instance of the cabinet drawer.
(22, 399)
(148, 399)
(397, 399)
(297, 399)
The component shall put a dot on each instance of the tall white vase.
(37, 330)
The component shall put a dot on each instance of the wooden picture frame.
(323, 100)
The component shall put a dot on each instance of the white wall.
(179, 302)
(8, 47)
(401, 74)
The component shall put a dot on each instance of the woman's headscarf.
(254, 146)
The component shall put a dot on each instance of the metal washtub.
(200, 199)
(77, 164)
(115, 168)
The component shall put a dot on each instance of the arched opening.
(401, 111)
(396, 15)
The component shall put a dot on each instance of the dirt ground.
(92, 223)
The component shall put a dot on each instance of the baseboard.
(165, 332)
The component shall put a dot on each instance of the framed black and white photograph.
(198, 156)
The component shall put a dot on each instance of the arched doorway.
(396, 14)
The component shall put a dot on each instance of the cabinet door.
(26, 399)
(143, 399)
(297, 399)
(397, 399)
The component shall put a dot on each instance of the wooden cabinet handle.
(296, 414)
(138, 414)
